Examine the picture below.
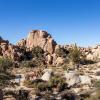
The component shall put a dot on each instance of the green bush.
(5, 64)
(37, 52)
(5, 76)
(33, 63)
(57, 82)
(43, 86)
(28, 84)
(97, 85)
(27, 64)
(38, 56)
(54, 82)
(4, 79)
(75, 55)
(61, 52)
(39, 86)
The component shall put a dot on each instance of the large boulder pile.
(46, 42)
(35, 38)
(96, 52)
(41, 39)
(93, 53)
(10, 51)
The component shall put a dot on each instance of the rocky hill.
(46, 69)
(47, 43)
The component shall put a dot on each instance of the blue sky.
(69, 21)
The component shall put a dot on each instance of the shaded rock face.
(41, 39)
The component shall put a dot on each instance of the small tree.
(5, 64)
(75, 55)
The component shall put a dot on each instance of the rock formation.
(41, 39)
(34, 39)
(46, 42)
(92, 53)
(10, 51)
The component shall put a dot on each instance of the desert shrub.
(4, 79)
(5, 76)
(61, 52)
(31, 84)
(97, 85)
(57, 82)
(37, 52)
(27, 54)
(39, 85)
(38, 56)
(23, 95)
(9, 92)
(75, 55)
(65, 67)
(94, 97)
(68, 96)
(43, 86)
(85, 61)
(28, 84)
(27, 64)
(33, 63)
(39, 62)
(97, 95)
(5, 64)
(54, 82)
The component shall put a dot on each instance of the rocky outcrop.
(41, 39)
(34, 39)
(10, 51)
(92, 53)
(46, 42)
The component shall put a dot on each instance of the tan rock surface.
(41, 39)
